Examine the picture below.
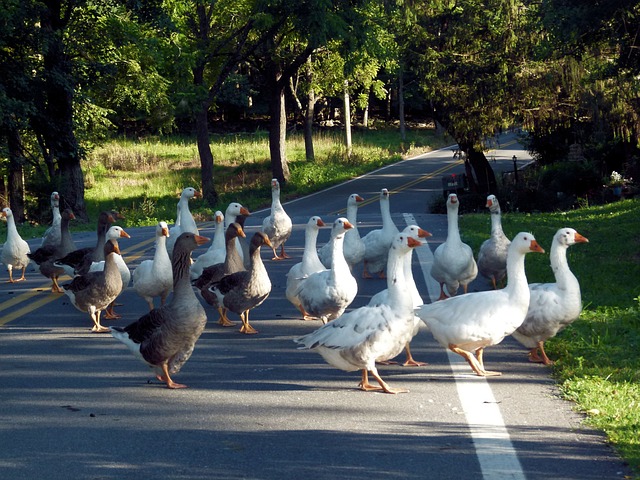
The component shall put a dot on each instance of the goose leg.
(305, 315)
(546, 360)
(97, 327)
(167, 378)
(365, 385)
(535, 358)
(365, 272)
(55, 288)
(10, 270)
(22, 278)
(442, 294)
(246, 327)
(383, 384)
(110, 313)
(410, 362)
(224, 320)
(283, 255)
(476, 365)
(486, 373)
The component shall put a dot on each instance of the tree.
(467, 55)
(584, 80)
(215, 37)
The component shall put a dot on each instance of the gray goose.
(47, 255)
(79, 261)
(52, 235)
(492, 256)
(165, 337)
(232, 263)
(94, 291)
(243, 291)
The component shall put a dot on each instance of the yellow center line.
(405, 186)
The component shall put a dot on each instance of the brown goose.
(47, 255)
(242, 291)
(165, 337)
(94, 291)
(232, 263)
(114, 233)
(79, 261)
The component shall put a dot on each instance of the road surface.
(79, 405)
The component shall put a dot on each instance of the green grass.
(598, 356)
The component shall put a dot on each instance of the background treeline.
(78, 72)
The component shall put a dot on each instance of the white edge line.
(497, 456)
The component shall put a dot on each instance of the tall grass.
(143, 179)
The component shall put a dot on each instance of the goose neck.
(453, 231)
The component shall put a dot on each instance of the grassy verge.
(598, 356)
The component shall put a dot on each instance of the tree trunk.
(206, 157)
(309, 114)
(403, 130)
(58, 132)
(16, 179)
(278, 128)
(203, 142)
(484, 175)
(347, 119)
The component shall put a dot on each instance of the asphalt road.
(79, 405)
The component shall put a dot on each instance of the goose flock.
(230, 277)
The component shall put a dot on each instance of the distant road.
(79, 405)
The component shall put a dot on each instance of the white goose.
(553, 306)
(471, 322)
(492, 256)
(15, 250)
(326, 294)
(184, 219)
(277, 225)
(310, 264)
(417, 233)
(371, 333)
(113, 234)
(52, 235)
(154, 278)
(215, 253)
(453, 262)
(353, 247)
(232, 214)
(377, 242)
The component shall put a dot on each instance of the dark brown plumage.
(166, 336)
(243, 291)
(94, 291)
(46, 256)
(79, 261)
(214, 273)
